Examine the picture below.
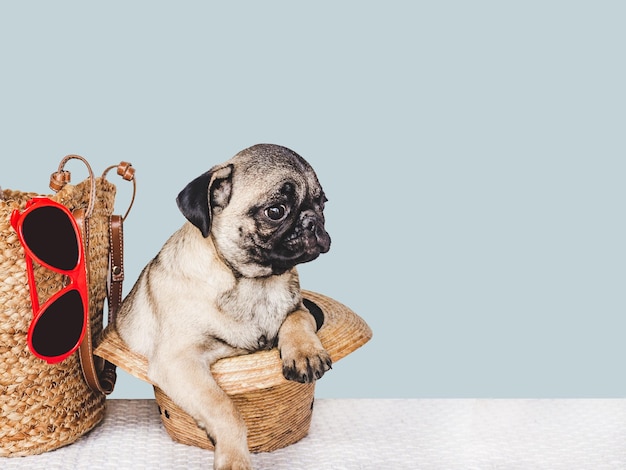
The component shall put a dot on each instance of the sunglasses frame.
(77, 276)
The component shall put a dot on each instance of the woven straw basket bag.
(45, 406)
(277, 412)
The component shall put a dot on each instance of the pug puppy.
(225, 284)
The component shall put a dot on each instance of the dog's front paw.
(225, 461)
(305, 363)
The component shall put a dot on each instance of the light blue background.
(473, 153)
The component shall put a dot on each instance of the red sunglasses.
(51, 236)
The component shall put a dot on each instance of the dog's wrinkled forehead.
(271, 166)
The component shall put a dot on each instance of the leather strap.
(116, 265)
(127, 172)
(61, 177)
(86, 346)
(101, 375)
(108, 375)
(114, 290)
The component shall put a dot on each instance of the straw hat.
(277, 412)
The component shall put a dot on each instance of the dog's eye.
(276, 212)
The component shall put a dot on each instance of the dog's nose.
(309, 224)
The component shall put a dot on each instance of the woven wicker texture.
(276, 411)
(43, 406)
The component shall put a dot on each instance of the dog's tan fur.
(202, 298)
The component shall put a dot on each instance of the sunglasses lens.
(50, 235)
(58, 329)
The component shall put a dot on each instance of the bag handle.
(61, 177)
(108, 375)
(100, 375)
(87, 360)
(127, 172)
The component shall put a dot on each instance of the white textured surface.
(378, 434)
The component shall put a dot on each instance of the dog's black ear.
(208, 193)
